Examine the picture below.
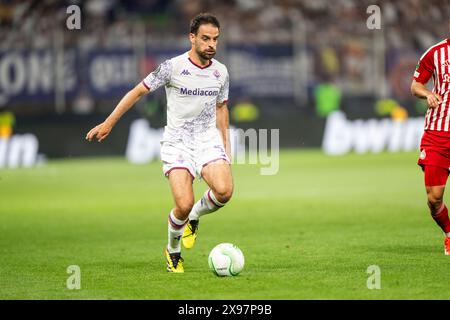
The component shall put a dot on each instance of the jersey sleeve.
(159, 77)
(223, 93)
(424, 68)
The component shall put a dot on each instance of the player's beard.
(206, 55)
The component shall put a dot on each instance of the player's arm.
(159, 77)
(102, 130)
(419, 90)
(222, 115)
(422, 74)
(223, 124)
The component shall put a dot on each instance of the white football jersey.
(192, 93)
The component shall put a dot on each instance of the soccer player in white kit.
(195, 141)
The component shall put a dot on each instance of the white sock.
(207, 204)
(176, 228)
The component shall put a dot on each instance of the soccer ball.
(226, 259)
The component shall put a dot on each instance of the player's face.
(205, 41)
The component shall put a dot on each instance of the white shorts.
(176, 155)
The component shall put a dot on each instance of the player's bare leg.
(439, 212)
(220, 181)
(180, 181)
(218, 177)
(435, 196)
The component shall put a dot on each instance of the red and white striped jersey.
(435, 62)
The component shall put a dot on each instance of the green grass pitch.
(309, 232)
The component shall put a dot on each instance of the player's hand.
(434, 100)
(100, 132)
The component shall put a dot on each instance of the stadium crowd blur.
(26, 24)
(335, 30)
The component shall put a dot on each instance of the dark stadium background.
(283, 56)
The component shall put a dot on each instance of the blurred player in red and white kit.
(435, 145)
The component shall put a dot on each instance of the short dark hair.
(203, 18)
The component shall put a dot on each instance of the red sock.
(442, 219)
